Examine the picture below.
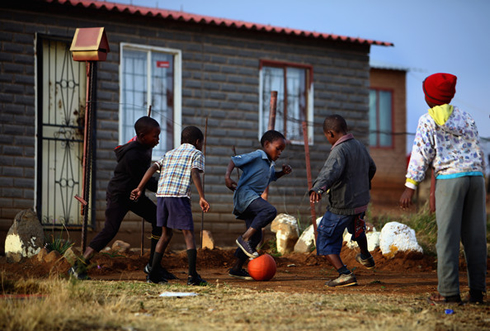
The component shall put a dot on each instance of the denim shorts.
(175, 213)
(330, 232)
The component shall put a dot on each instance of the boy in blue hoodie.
(258, 173)
(447, 140)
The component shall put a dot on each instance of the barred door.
(61, 110)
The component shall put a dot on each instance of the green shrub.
(58, 244)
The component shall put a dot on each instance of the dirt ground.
(405, 274)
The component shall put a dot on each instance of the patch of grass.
(380, 221)
(425, 227)
(120, 305)
(271, 247)
(112, 254)
(57, 243)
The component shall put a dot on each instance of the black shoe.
(246, 248)
(78, 272)
(241, 274)
(163, 272)
(158, 280)
(196, 280)
(368, 263)
(475, 296)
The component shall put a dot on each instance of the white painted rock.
(120, 246)
(306, 242)
(25, 237)
(397, 237)
(287, 233)
(372, 237)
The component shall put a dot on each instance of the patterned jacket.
(446, 139)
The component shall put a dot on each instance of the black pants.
(258, 215)
(117, 208)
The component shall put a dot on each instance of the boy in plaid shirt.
(178, 168)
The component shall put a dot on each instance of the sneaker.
(368, 263)
(246, 248)
(78, 272)
(196, 280)
(241, 274)
(163, 272)
(159, 280)
(343, 280)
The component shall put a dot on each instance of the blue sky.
(429, 35)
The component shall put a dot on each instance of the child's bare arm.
(406, 198)
(196, 178)
(230, 183)
(286, 170)
(136, 193)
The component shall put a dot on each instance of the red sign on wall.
(163, 64)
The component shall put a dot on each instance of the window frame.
(309, 90)
(392, 109)
(177, 114)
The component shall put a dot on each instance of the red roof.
(201, 19)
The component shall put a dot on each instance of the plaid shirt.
(175, 171)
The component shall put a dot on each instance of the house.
(191, 70)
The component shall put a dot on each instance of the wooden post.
(87, 150)
(271, 126)
(142, 246)
(308, 175)
(204, 174)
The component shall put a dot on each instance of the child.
(133, 159)
(258, 172)
(346, 177)
(178, 168)
(447, 140)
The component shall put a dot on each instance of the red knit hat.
(440, 88)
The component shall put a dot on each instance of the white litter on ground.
(178, 294)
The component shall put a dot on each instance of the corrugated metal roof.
(209, 20)
(386, 65)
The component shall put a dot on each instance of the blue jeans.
(331, 230)
(258, 215)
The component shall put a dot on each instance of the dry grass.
(118, 305)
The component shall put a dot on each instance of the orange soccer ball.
(262, 267)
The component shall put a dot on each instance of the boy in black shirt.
(133, 159)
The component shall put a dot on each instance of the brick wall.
(388, 184)
(220, 82)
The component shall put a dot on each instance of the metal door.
(60, 128)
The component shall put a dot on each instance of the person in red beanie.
(447, 140)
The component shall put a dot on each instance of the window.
(294, 86)
(151, 76)
(380, 118)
